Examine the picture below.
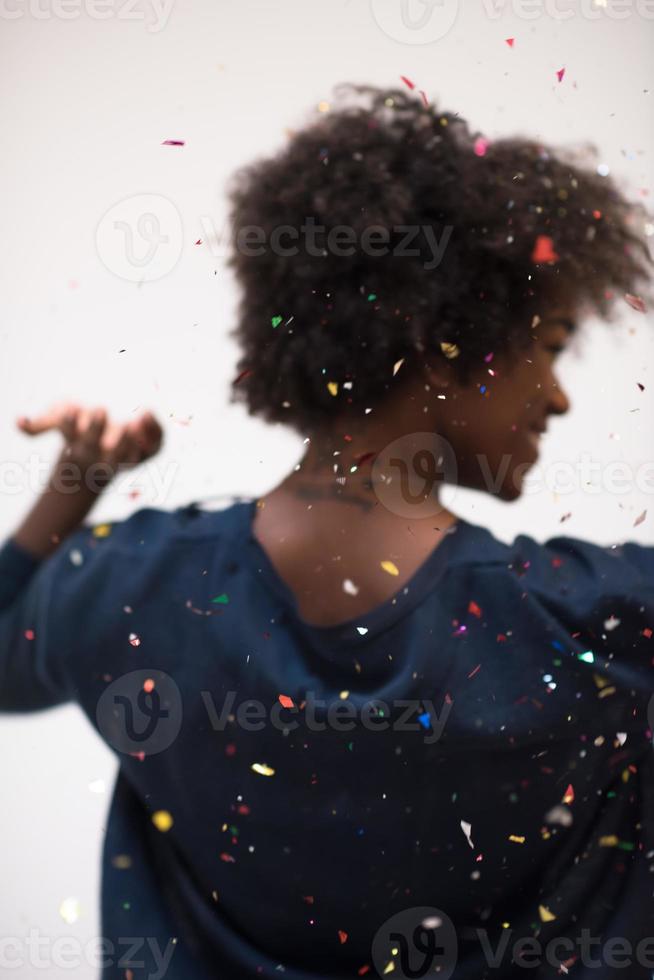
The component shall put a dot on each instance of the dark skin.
(320, 531)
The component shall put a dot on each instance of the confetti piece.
(450, 350)
(262, 769)
(560, 73)
(276, 320)
(29, 634)
(611, 623)
(372, 297)
(243, 374)
(474, 671)
(397, 366)
(569, 795)
(621, 737)
(344, 695)
(425, 100)
(642, 387)
(610, 840)
(148, 685)
(588, 657)
(134, 640)
(390, 567)
(162, 820)
(474, 609)
(69, 910)
(635, 302)
(121, 861)
(228, 858)
(480, 146)
(350, 587)
(408, 82)
(174, 143)
(639, 520)
(425, 720)
(559, 815)
(510, 41)
(362, 630)
(102, 531)
(516, 839)
(466, 828)
(333, 387)
(223, 599)
(285, 701)
(543, 250)
(342, 936)
(545, 914)
(76, 557)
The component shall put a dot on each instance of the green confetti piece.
(587, 657)
(223, 599)
(371, 297)
(276, 320)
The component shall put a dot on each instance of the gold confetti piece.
(390, 567)
(516, 839)
(162, 820)
(606, 692)
(344, 695)
(323, 106)
(545, 914)
(121, 861)
(333, 387)
(262, 769)
(506, 925)
(397, 366)
(450, 350)
(102, 531)
(390, 966)
(69, 910)
(609, 841)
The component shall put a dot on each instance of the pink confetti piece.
(639, 520)
(480, 146)
(407, 81)
(560, 73)
(635, 302)
(510, 41)
(174, 143)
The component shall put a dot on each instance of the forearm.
(62, 507)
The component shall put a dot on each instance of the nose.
(559, 403)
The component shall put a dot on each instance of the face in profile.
(495, 433)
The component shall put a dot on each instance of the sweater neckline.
(462, 542)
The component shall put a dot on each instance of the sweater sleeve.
(54, 609)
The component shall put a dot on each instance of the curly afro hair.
(320, 330)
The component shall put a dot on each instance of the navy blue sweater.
(458, 784)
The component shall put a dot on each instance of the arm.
(34, 557)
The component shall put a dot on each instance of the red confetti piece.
(243, 809)
(560, 73)
(407, 81)
(148, 685)
(228, 858)
(342, 936)
(544, 250)
(635, 302)
(363, 969)
(29, 634)
(308, 899)
(569, 795)
(597, 215)
(173, 143)
(510, 41)
(474, 671)
(199, 241)
(647, 632)
(474, 609)
(285, 701)
(557, 562)
(500, 638)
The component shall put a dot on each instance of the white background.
(86, 105)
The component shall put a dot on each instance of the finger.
(51, 419)
(90, 427)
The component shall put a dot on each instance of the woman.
(358, 734)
